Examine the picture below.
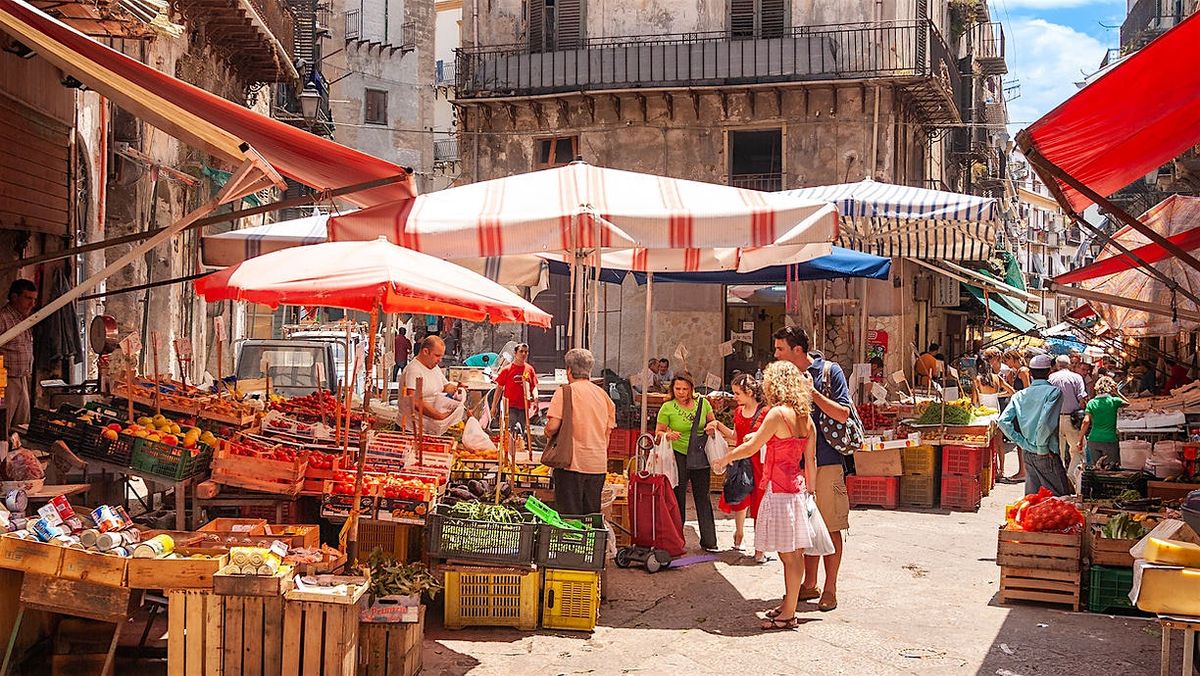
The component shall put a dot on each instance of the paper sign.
(219, 329)
(726, 348)
(560, 375)
(131, 344)
(712, 381)
(952, 371)
(879, 393)
(747, 326)
(681, 352)
(950, 393)
(862, 372)
(743, 336)
(183, 348)
(898, 377)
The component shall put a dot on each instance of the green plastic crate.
(1109, 590)
(170, 462)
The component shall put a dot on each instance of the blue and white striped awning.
(901, 221)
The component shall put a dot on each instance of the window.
(756, 159)
(555, 152)
(757, 18)
(375, 107)
(554, 24)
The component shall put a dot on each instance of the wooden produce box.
(209, 633)
(227, 583)
(97, 567)
(1040, 567)
(30, 556)
(1100, 551)
(320, 639)
(280, 477)
(1170, 490)
(878, 463)
(391, 649)
(232, 525)
(175, 572)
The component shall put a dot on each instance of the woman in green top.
(1100, 423)
(676, 422)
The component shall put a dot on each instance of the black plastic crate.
(117, 451)
(1099, 484)
(569, 549)
(452, 537)
(47, 426)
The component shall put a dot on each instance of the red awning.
(201, 119)
(1175, 210)
(1131, 120)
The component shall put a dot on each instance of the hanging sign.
(712, 381)
(219, 329)
(743, 336)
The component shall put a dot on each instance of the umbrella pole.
(862, 320)
(352, 540)
(646, 345)
(419, 420)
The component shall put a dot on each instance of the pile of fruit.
(1041, 512)
(617, 479)
(322, 460)
(872, 418)
(319, 405)
(468, 454)
(252, 448)
(401, 486)
(160, 428)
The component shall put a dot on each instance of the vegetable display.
(1042, 512)
(954, 413)
(390, 577)
(1124, 527)
(481, 511)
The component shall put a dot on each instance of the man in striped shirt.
(18, 352)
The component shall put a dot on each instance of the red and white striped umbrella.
(580, 206)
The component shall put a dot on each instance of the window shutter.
(741, 19)
(772, 18)
(535, 23)
(569, 31)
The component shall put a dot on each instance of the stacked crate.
(1110, 568)
(1040, 567)
(919, 483)
(962, 476)
(873, 491)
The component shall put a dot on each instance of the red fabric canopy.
(197, 117)
(1174, 209)
(366, 275)
(1131, 120)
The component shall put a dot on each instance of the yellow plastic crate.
(571, 599)
(402, 541)
(491, 597)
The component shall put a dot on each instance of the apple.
(114, 427)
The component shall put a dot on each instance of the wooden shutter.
(34, 178)
(772, 18)
(741, 19)
(535, 23)
(568, 32)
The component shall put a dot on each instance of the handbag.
(845, 437)
(697, 458)
(739, 477)
(559, 453)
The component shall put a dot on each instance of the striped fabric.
(901, 221)
(583, 207)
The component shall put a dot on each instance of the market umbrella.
(375, 277)
(1116, 275)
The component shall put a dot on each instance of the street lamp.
(309, 101)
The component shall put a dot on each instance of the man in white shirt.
(437, 410)
(647, 380)
(1074, 398)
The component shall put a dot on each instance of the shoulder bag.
(559, 453)
(845, 437)
(696, 457)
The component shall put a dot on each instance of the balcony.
(1146, 20)
(123, 19)
(355, 32)
(257, 37)
(989, 48)
(772, 182)
(445, 150)
(911, 54)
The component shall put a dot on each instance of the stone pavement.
(917, 595)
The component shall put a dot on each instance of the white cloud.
(1048, 59)
(1048, 4)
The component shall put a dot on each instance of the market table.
(239, 499)
(180, 486)
(47, 493)
(1189, 626)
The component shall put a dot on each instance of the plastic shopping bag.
(474, 438)
(662, 461)
(822, 542)
(716, 447)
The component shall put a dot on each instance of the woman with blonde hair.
(1100, 423)
(786, 515)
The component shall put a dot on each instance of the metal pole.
(862, 325)
(352, 538)
(646, 345)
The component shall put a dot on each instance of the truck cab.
(294, 367)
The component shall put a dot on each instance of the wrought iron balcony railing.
(771, 182)
(1147, 19)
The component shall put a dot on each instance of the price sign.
(219, 329)
(183, 348)
(131, 344)
(712, 381)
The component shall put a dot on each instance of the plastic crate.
(962, 460)
(918, 490)
(1099, 484)
(452, 537)
(961, 493)
(170, 462)
(482, 597)
(47, 426)
(570, 600)
(1109, 590)
(398, 540)
(117, 451)
(566, 549)
(919, 460)
(876, 491)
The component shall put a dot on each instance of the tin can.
(159, 545)
(46, 531)
(123, 516)
(106, 519)
(16, 501)
(119, 551)
(50, 514)
(88, 537)
(118, 538)
(63, 507)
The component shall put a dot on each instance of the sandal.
(776, 624)
(809, 594)
(827, 605)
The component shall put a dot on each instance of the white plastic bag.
(474, 438)
(822, 542)
(662, 461)
(716, 447)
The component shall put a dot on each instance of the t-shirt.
(1103, 410)
(513, 379)
(433, 384)
(403, 349)
(593, 416)
(680, 419)
(1072, 387)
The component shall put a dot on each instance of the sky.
(1050, 45)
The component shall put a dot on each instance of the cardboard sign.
(712, 381)
(725, 349)
(898, 377)
(183, 348)
(743, 336)
(219, 329)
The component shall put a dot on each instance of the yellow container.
(492, 597)
(571, 599)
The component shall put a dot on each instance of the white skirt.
(783, 524)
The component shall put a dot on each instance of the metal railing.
(901, 49)
(278, 19)
(772, 182)
(408, 36)
(445, 73)
(445, 150)
(353, 24)
(989, 48)
(1147, 19)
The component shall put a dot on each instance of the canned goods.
(46, 531)
(16, 501)
(89, 537)
(106, 519)
(118, 538)
(63, 507)
(159, 545)
(119, 551)
(50, 514)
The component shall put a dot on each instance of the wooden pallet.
(209, 633)
(1040, 585)
(391, 649)
(1040, 551)
(320, 638)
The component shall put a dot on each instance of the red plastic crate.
(962, 460)
(961, 493)
(620, 442)
(876, 491)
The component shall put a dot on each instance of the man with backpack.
(833, 412)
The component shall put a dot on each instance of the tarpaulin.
(1172, 218)
(199, 118)
(1128, 122)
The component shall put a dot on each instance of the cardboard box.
(878, 463)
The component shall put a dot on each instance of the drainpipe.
(875, 138)
(475, 43)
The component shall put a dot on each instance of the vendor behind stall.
(439, 412)
(18, 352)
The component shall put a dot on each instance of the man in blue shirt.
(1031, 421)
(833, 400)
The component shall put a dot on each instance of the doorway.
(760, 312)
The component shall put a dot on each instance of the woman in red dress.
(747, 418)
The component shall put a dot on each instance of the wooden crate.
(30, 556)
(78, 564)
(1112, 552)
(259, 474)
(320, 639)
(391, 649)
(1041, 551)
(1040, 585)
(251, 526)
(223, 635)
(228, 583)
(619, 517)
(1170, 490)
(174, 573)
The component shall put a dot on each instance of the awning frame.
(1131, 303)
(976, 279)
